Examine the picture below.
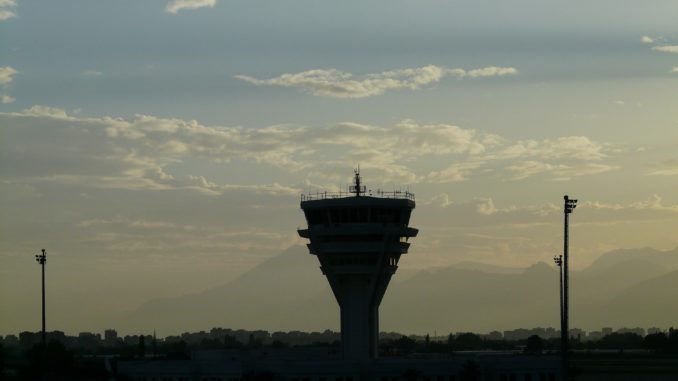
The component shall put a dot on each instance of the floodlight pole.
(42, 259)
(559, 262)
(568, 207)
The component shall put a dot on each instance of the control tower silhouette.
(358, 238)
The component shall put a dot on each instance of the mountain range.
(630, 288)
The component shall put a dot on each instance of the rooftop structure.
(358, 238)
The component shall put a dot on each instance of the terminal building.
(358, 238)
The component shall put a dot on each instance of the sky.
(156, 148)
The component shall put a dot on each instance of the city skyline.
(159, 148)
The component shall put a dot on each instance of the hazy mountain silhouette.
(485, 267)
(472, 300)
(652, 302)
(623, 288)
(668, 259)
(273, 295)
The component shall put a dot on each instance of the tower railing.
(397, 194)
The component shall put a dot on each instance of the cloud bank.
(339, 84)
(44, 144)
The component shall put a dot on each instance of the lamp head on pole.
(41, 258)
(570, 204)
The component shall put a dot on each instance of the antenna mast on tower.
(357, 188)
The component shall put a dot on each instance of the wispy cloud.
(453, 173)
(92, 73)
(674, 69)
(491, 71)
(6, 74)
(139, 153)
(647, 40)
(567, 147)
(665, 168)
(177, 5)
(666, 48)
(653, 202)
(487, 207)
(560, 172)
(340, 84)
(4, 12)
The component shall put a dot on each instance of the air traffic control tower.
(358, 238)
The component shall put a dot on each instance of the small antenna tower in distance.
(357, 188)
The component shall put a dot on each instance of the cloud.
(666, 48)
(51, 146)
(45, 111)
(674, 69)
(339, 84)
(647, 40)
(441, 200)
(6, 73)
(486, 207)
(653, 203)
(177, 5)
(492, 71)
(453, 173)
(137, 224)
(666, 168)
(92, 73)
(525, 169)
(568, 147)
(4, 13)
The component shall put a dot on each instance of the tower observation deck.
(358, 238)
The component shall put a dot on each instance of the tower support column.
(359, 319)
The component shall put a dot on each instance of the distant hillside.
(272, 295)
(668, 259)
(624, 288)
(656, 299)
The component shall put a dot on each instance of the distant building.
(110, 336)
(606, 331)
(89, 340)
(638, 331)
(594, 336)
(577, 333)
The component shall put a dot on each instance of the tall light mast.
(42, 259)
(568, 208)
